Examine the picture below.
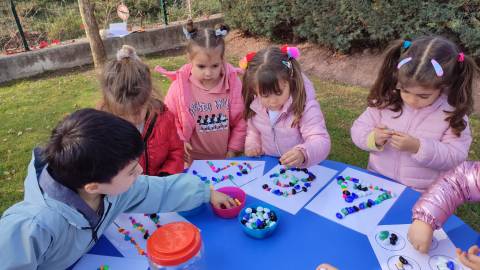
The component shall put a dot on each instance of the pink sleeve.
(171, 75)
(253, 140)
(171, 100)
(316, 146)
(363, 126)
(452, 189)
(238, 126)
(445, 154)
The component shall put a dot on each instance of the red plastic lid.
(174, 244)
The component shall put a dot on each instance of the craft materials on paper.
(289, 188)
(356, 199)
(100, 262)
(227, 172)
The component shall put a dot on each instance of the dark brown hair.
(205, 38)
(456, 81)
(264, 71)
(127, 85)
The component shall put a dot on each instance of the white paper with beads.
(329, 202)
(126, 248)
(388, 254)
(203, 168)
(292, 203)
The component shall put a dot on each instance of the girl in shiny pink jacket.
(416, 125)
(284, 119)
(452, 189)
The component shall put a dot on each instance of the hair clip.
(292, 52)
(461, 57)
(403, 62)
(406, 44)
(243, 64)
(187, 34)
(437, 67)
(288, 64)
(221, 33)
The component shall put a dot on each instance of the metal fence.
(47, 21)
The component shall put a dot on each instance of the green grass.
(30, 108)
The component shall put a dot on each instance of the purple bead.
(239, 173)
(339, 216)
(362, 205)
(355, 180)
(349, 199)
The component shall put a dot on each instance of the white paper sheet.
(388, 255)
(128, 249)
(330, 201)
(203, 169)
(294, 203)
(93, 262)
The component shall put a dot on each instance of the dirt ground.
(358, 69)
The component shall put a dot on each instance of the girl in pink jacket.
(437, 204)
(284, 119)
(416, 125)
(206, 98)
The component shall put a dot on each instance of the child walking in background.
(206, 98)
(454, 188)
(128, 92)
(284, 119)
(416, 125)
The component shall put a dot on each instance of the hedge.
(349, 25)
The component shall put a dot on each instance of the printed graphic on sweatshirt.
(208, 107)
(212, 122)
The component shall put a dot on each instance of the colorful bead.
(243, 169)
(383, 235)
(293, 182)
(260, 219)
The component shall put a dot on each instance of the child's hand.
(187, 147)
(470, 258)
(382, 134)
(231, 154)
(219, 199)
(420, 235)
(292, 158)
(325, 266)
(405, 142)
(253, 152)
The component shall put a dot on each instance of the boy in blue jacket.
(77, 185)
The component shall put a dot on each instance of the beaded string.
(128, 238)
(155, 219)
(243, 169)
(103, 267)
(297, 185)
(139, 226)
(360, 190)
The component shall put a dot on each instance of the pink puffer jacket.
(452, 189)
(440, 149)
(310, 137)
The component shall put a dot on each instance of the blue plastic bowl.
(258, 233)
(194, 211)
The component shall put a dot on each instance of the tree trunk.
(93, 35)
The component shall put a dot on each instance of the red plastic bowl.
(236, 193)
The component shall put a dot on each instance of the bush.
(67, 26)
(348, 25)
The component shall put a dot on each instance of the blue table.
(301, 241)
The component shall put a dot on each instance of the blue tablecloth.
(301, 241)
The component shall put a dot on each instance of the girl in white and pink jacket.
(416, 125)
(284, 119)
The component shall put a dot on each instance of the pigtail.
(296, 82)
(460, 95)
(383, 94)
